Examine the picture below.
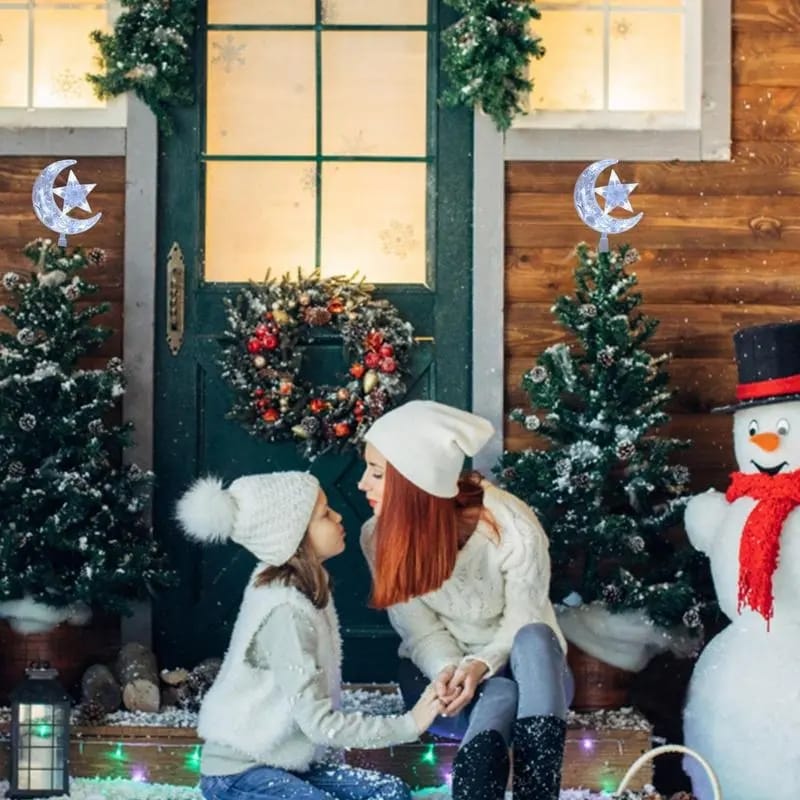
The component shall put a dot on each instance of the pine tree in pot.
(74, 541)
(607, 486)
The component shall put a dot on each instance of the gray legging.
(536, 682)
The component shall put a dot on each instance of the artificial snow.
(30, 616)
(101, 789)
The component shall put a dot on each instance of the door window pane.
(374, 93)
(373, 221)
(261, 12)
(261, 93)
(374, 12)
(259, 216)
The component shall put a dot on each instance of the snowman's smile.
(769, 470)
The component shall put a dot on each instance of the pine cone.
(91, 713)
(96, 257)
(316, 316)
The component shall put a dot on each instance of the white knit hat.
(268, 514)
(427, 442)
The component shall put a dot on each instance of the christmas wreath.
(269, 326)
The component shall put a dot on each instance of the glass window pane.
(14, 57)
(373, 221)
(570, 76)
(648, 3)
(261, 93)
(375, 12)
(374, 93)
(645, 71)
(261, 12)
(259, 216)
(62, 56)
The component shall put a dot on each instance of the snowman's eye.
(752, 428)
(782, 427)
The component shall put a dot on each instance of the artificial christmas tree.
(608, 489)
(74, 538)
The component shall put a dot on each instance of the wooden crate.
(596, 759)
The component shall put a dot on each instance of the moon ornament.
(74, 196)
(616, 195)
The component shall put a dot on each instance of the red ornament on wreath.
(273, 400)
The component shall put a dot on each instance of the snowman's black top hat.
(768, 359)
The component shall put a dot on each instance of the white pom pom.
(207, 511)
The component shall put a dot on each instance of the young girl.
(270, 721)
(464, 571)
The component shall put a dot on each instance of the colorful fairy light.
(587, 744)
(139, 773)
(118, 753)
(429, 756)
(192, 760)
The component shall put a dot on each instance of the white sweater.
(274, 701)
(495, 589)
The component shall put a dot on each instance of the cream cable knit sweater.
(494, 590)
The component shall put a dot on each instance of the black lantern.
(39, 735)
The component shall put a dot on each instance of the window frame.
(113, 116)
(709, 140)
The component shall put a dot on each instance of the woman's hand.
(462, 685)
(442, 685)
(427, 708)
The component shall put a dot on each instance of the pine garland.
(486, 56)
(149, 53)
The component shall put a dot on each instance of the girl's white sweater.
(276, 697)
(495, 589)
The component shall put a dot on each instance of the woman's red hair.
(417, 537)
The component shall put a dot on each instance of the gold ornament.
(343, 394)
(370, 380)
(300, 432)
(259, 362)
(281, 317)
(304, 299)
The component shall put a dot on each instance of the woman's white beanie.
(426, 442)
(268, 514)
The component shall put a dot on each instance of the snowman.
(743, 707)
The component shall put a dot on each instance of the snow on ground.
(88, 789)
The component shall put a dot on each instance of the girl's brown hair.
(303, 571)
(417, 536)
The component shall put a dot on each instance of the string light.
(429, 756)
(139, 773)
(118, 753)
(192, 760)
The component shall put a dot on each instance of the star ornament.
(616, 193)
(74, 194)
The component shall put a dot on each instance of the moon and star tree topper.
(616, 195)
(73, 195)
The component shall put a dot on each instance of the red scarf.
(777, 495)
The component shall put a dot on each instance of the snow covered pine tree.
(70, 513)
(606, 487)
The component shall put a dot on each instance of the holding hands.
(455, 686)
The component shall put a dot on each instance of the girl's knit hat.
(268, 514)
(426, 442)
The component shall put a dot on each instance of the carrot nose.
(766, 441)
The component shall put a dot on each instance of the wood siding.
(720, 242)
(19, 225)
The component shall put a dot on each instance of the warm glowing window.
(317, 146)
(45, 53)
(651, 77)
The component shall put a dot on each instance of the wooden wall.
(720, 242)
(19, 224)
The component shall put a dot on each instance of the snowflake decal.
(229, 53)
(69, 83)
(398, 239)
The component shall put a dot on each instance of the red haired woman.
(463, 570)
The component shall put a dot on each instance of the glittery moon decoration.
(589, 210)
(44, 204)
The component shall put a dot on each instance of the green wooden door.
(226, 176)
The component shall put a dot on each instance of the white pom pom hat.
(427, 442)
(268, 514)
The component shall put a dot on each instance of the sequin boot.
(480, 769)
(538, 753)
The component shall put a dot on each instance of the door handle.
(176, 296)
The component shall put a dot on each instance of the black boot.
(538, 752)
(480, 768)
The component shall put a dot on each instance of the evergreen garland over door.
(271, 169)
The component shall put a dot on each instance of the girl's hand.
(463, 684)
(427, 708)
